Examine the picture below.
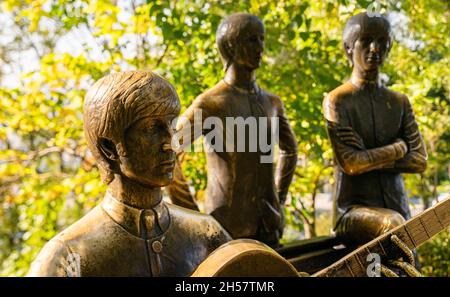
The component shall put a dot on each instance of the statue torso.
(240, 186)
(106, 248)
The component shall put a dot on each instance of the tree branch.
(162, 56)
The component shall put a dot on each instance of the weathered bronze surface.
(245, 258)
(242, 192)
(127, 118)
(374, 136)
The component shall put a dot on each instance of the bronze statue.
(374, 137)
(128, 126)
(242, 192)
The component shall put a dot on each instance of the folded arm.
(415, 161)
(352, 156)
(349, 149)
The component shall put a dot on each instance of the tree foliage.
(48, 178)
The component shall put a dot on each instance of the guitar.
(245, 257)
(413, 233)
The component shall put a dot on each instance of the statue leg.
(361, 224)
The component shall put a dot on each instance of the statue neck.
(240, 77)
(134, 194)
(362, 78)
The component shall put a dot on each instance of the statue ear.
(349, 53)
(230, 52)
(348, 49)
(108, 149)
(391, 40)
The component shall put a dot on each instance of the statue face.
(371, 48)
(250, 46)
(149, 158)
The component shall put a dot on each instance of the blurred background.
(52, 51)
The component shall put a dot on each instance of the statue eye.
(150, 127)
(366, 40)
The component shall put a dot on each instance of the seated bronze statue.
(132, 232)
(243, 193)
(374, 136)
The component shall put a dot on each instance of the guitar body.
(245, 258)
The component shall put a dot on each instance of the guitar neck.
(413, 233)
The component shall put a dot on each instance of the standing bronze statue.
(374, 135)
(127, 122)
(242, 192)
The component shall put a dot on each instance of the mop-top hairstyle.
(119, 100)
(229, 32)
(357, 23)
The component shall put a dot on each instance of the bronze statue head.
(240, 38)
(367, 40)
(128, 126)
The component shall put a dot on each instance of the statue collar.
(253, 89)
(144, 223)
(362, 83)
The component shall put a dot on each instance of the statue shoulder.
(91, 223)
(335, 102)
(55, 257)
(400, 97)
(339, 95)
(204, 224)
(275, 99)
(49, 261)
(211, 97)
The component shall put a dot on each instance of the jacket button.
(157, 246)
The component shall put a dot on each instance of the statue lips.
(373, 59)
(168, 165)
(258, 59)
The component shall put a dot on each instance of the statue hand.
(348, 136)
(402, 145)
(400, 264)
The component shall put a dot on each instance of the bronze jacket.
(372, 177)
(242, 192)
(114, 239)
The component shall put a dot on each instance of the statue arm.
(52, 261)
(287, 161)
(415, 161)
(190, 124)
(354, 161)
(188, 130)
(349, 150)
(178, 190)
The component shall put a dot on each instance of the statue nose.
(260, 46)
(374, 47)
